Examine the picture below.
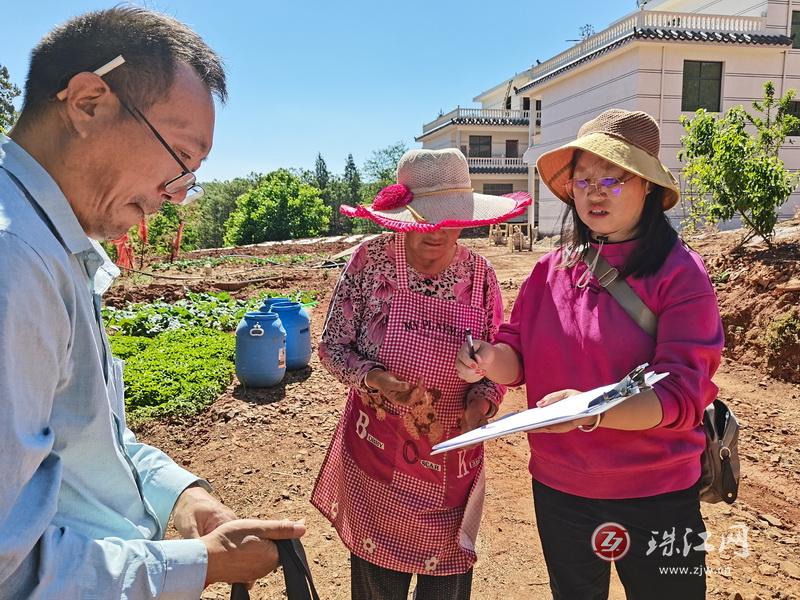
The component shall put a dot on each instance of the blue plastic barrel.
(268, 302)
(297, 324)
(260, 350)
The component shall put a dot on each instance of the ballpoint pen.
(471, 345)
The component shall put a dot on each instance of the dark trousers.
(665, 556)
(371, 582)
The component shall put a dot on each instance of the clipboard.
(586, 404)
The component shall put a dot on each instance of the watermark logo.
(610, 541)
(671, 543)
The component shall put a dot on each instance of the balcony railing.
(495, 161)
(476, 113)
(655, 19)
(497, 164)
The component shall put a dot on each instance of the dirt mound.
(238, 282)
(759, 291)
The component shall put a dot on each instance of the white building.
(668, 58)
(493, 138)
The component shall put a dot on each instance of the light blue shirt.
(83, 505)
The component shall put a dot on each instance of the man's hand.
(242, 550)
(198, 513)
(390, 387)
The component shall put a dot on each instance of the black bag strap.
(623, 293)
(296, 574)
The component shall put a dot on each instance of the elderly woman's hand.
(389, 386)
(476, 410)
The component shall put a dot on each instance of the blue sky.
(307, 76)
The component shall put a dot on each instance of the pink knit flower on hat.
(392, 196)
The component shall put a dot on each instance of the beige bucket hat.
(630, 140)
(433, 191)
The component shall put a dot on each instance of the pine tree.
(351, 192)
(321, 175)
(8, 91)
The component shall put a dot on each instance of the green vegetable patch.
(176, 374)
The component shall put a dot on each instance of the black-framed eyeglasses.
(609, 185)
(186, 181)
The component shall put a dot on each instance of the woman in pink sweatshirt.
(621, 487)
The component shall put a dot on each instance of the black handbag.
(296, 574)
(720, 460)
(719, 479)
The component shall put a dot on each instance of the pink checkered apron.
(392, 503)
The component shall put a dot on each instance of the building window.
(794, 109)
(498, 189)
(795, 29)
(508, 102)
(512, 148)
(702, 85)
(480, 146)
(526, 104)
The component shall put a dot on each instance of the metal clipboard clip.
(633, 383)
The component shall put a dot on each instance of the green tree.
(163, 227)
(281, 207)
(8, 91)
(321, 174)
(731, 172)
(382, 165)
(380, 170)
(323, 182)
(352, 179)
(339, 194)
(216, 206)
(349, 192)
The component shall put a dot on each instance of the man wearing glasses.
(118, 115)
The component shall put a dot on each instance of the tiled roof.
(725, 37)
(494, 121)
(674, 35)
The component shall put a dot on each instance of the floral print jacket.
(359, 310)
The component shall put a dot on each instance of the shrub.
(729, 171)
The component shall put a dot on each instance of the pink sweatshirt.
(568, 337)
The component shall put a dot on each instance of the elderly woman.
(400, 311)
(622, 486)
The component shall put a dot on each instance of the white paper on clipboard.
(574, 407)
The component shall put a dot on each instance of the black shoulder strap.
(296, 574)
(623, 293)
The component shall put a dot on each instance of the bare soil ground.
(262, 449)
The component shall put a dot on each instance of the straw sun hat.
(630, 140)
(434, 191)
